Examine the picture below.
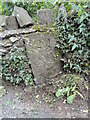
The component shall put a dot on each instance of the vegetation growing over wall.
(16, 68)
(74, 40)
(74, 44)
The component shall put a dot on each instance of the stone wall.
(38, 44)
(40, 48)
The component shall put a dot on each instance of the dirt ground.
(16, 103)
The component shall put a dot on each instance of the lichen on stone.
(43, 28)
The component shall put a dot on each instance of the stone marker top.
(45, 16)
(22, 16)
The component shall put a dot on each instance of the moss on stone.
(57, 55)
(6, 57)
(43, 28)
(36, 27)
(50, 25)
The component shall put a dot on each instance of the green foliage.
(70, 88)
(14, 69)
(74, 42)
(31, 7)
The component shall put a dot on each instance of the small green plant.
(70, 88)
(14, 69)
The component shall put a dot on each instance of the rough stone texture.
(4, 51)
(22, 17)
(8, 44)
(41, 50)
(11, 23)
(45, 16)
(9, 33)
(5, 46)
(2, 20)
(5, 43)
(13, 39)
(62, 12)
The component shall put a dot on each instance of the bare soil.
(18, 103)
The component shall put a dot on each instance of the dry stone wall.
(39, 46)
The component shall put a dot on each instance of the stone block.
(45, 16)
(22, 16)
(41, 52)
(11, 23)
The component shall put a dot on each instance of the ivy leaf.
(71, 65)
(83, 17)
(80, 12)
(74, 46)
(82, 29)
(71, 38)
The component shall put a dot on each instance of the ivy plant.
(15, 69)
(74, 42)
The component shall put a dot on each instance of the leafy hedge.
(74, 42)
